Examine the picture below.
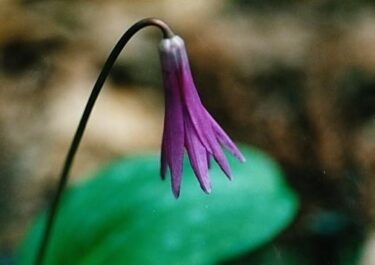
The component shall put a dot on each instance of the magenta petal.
(197, 156)
(174, 144)
(193, 103)
(173, 135)
(187, 123)
(174, 155)
(176, 184)
(197, 113)
(220, 158)
(225, 140)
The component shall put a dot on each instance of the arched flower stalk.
(187, 125)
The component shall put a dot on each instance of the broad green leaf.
(126, 215)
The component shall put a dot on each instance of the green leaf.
(126, 215)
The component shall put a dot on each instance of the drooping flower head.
(187, 124)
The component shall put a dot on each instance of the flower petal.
(173, 135)
(174, 143)
(197, 155)
(220, 158)
(197, 113)
(191, 99)
(225, 140)
(187, 122)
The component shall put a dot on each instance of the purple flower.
(187, 124)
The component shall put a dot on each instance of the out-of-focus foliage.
(326, 6)
(284, 253)
(305, 251)
(125, 215)
(358, 95)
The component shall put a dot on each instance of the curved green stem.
(51, 215)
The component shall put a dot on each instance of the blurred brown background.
(295, 78)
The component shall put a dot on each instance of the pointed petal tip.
(226, 169)
(239, 156)
(206, 187)
(176, 187)
(207, 190)
(228, 174)
(176, 194)
(163, 169)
